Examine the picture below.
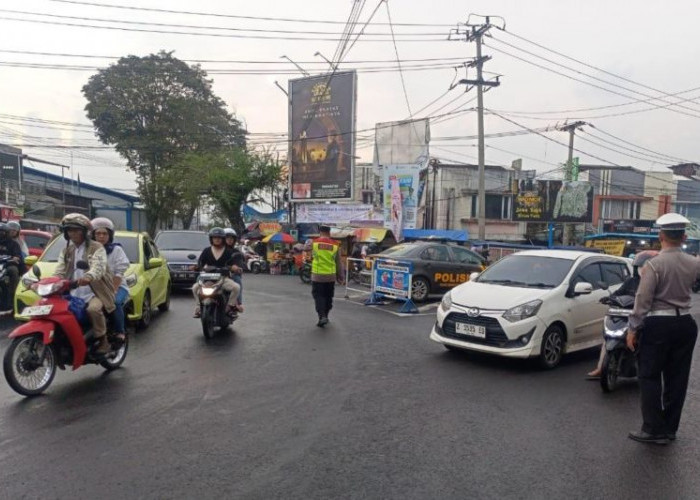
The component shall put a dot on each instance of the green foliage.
(155, 110)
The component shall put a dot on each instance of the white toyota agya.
(536, 303)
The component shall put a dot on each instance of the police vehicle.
(437, 267)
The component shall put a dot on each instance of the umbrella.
(279, 238)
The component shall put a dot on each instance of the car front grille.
(495, 336)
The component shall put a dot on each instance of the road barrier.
(392, 279)
(358, 277)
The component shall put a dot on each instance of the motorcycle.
(5, 289)
(256, 264)
(54, 338)
(305, 271)
(212, 301)
(619, 361)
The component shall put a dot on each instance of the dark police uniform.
(667, 335)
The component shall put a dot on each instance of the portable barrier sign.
(393, 279)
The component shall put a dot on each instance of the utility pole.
(475, 32)
(568, 171)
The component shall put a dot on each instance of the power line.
(232, 16)
(398, 61)
(639, 147)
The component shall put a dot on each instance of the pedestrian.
(326, 269)
(663, 330)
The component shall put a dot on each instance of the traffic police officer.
(664, 331)
(326, 269)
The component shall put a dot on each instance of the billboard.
(408, 178)
(322, 136)
(552, 201)
(337, 213)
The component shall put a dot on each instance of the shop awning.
(369, 234)
(435, 234)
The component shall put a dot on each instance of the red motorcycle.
(53, 338)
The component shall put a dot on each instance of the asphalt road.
(367, 408)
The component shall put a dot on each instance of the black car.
(181, 249)
(437, 267)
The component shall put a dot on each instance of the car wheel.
(165, 306)
(146, 311)
(552, 348)
(420, 289)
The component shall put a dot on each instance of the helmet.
(4, 231)
(229, 231)
(75, 220)
(103, 223)
(672, 222)
(13, 225)
(216, 232)
(643, 257)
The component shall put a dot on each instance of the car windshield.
(182, 240)
(529, 271)
(130, 244)
(398, 250)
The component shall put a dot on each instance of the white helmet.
(229, 231)
(103, 223)
(672, 222)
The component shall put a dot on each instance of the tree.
(155, 110)
(232, 176)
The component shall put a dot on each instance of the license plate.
(471, 330)
(37, 310)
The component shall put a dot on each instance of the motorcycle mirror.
(82, 265)
(36, 271)
(603, 285)
(192, 256)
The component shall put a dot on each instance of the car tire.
(420, 289)
(165, 306)
(146, 311)
(552, 347)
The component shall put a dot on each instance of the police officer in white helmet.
(664, 332)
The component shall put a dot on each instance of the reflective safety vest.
(324, 251)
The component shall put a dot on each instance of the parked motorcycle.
(256, 264)
(212, 301)
(6, 293)
(305, 271)
(619, 361)
(54, 338)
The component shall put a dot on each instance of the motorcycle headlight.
(46, 289)
(523, 311)
(615, 333)
(446, 302)
(207, 291)
(28, 280)
(131, 280)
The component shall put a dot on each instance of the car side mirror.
(473, 276)
(583, 289)
(82, 265)
(36, 271)
(30, 260)
(154, 262)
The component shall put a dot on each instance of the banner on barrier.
(393, 278)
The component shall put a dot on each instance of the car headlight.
(131, 280)
(523, 311)
(446, 302)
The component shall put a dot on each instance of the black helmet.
(4, 231)
(217, 232)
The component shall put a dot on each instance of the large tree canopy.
(155, 110)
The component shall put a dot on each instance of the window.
(464, 256)
(129, 245)
(153, 248)
(614, 273)
(527, 271)
(590, 274)
(620, 209)
(146, 251)
(437, 253)
(497, 207)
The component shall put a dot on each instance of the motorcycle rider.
(15, 266)
(95, 286)
(238, 260)
(118, 263)
(15, 230)
(218, 255)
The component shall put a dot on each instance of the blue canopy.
(435, 234)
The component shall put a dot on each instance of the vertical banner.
(322, 136)
(408, 178)
(396, 215)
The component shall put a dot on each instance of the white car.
(536, 303)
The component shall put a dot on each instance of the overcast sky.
(641, 41)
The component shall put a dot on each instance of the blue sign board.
(393, 278)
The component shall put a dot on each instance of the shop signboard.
(552, 201)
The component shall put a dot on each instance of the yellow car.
(148, 276)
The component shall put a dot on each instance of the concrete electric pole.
(568, 171)
(475, 33)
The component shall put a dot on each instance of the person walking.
(326, 269)
(662, 328)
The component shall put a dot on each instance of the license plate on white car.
(37, 310)
(471, 330)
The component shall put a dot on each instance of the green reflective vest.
(324, 251)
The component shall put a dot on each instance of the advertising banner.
(393, 278)
(268, 228)
(397, 143)
(322, 136)
(337, 213)
(552, 201)
(610, 247)
(407, 178)
(396, 210)
(252, 215)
